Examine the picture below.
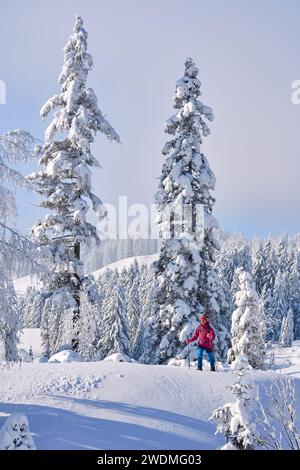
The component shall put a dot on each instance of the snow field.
(118, 405)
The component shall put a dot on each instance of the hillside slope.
(21, 284)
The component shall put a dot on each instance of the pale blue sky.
(248, 55)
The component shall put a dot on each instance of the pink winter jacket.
(205, 336)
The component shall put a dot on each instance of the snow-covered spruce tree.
(187, 281)
(264, 264)
(88, 324)
(248, 348)
(287, 330)
(134, 309)
(271, 324)
(65, 177)
(271, 266)
(234, 253)
(294, 288)
(141, 343)
(236, 420)
(15, 146)
(129, 276)
(58, 331)
(114, 328)
(258, 264)
(10, 324)
(57, 325)
(281, 254)
(279, 304)
(31, 306)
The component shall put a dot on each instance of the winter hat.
(203, 318)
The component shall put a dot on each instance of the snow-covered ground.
(109, 405)
(286, 360)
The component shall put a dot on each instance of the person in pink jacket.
(204, 335)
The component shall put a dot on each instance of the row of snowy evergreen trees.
(236, 251)
(119, 320)
(112, 321)
(275, 266)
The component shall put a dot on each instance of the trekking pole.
(188, 355)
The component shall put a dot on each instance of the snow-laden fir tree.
(235, 252)
(264, 264)
(10, 324)
(63, 325)
(65, 178)
(294, 288)
(187, 281)
(114, 327)
(15, 146)
(31, 307)
(129, 276)
(142, 341)
(258, 264)
(270, 270)
(287, 330)
(89, 321)
(271, 266)
(279, 304)
(271, 324)
(134, 309)
(57, 325)
(281, 254)
(248, 348)
(236, 420)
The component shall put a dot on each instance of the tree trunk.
(76, 316)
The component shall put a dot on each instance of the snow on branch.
(15, 146)
(15, 434)
(17, 250)
(278, 416)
